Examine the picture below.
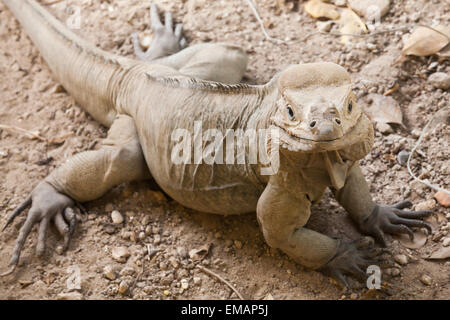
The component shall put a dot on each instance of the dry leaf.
(426, 41)
(200, 253)
(318, 9)
(420, 238)
(350, 24)
(383, 109)
(442, 253)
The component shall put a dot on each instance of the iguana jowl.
(323, 134)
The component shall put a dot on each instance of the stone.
(123, 287)
(370, 9)
(174, 262)
(59, 250)
(108, 272)
(426, 280)
(384, 128)
(402, 157)
(127, 271)
(120, 254)
(157, 239)
(116, 217)
(184, 284)
(197, 281)
(182, 252)
(442, 198)
(70, 296)
(446, 242)
(440, 80)
(238, 244)
(426, 205)
(401, 259)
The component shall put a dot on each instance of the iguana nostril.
(312, 124)
(338, 121)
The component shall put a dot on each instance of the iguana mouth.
(354, 134)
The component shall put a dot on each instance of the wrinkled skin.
(50, 204)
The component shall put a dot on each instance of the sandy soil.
(32, 100)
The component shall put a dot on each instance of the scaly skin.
(323, 134)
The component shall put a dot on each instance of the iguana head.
(316, 109)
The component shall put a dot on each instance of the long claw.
(16, 212)
(154, 17)
(23, 234)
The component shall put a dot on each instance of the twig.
(27, 133)
(424, 131)
(261, 23)
(212, 273)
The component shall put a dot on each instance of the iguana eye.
(350, 106)
(290, 112)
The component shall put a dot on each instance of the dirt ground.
(32, 100)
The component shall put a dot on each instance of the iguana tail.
(89, 74)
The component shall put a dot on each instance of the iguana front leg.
(166, 40)
(84, 177)
(282, 216)
(374, 219)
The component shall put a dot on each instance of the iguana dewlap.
(322, 135)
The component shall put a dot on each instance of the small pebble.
(127, 271)
(116, 217)
(440, 80)
(197, 281)
(141, 235)
(120, 254)
(402, 157)
(426, 280)
(353, 296)
(238, 244)
(70, 296)
(59, 250)
(184, 284)
(401, 259)
(108, 272)
(426, 205)
(174, 262)
(182, 252)
(123, 287)
(166, 292)
(443, 199)
(446, 242)
(157, 239)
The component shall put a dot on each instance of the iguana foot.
(394, 220)
(166, 40)
(47, 205)
(352, 259)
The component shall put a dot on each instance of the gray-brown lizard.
(322, 135)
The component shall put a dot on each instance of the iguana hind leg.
(208, 61)
(86, 176)
(166, 40)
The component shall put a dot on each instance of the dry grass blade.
(212, 273)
